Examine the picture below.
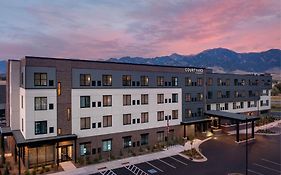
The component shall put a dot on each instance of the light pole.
(246, 145)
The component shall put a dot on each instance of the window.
(85, 149)
(51, 106)
(144, 80)
(126, 80)
(219, 82)
(51, 82)
(227, 82)
(107, 100)
(160, 81)
(188, 81)
(188, 113)
(235, 82)
(94, 125)
(22, 125)
(226, 106)
(218, 107)
(127, 141)
(144, 139)
(21, 101)
(40, 127)
(199, 96)
(144, 99)
(219, 94)
(160, 98)
(160, 115)
(208, 107)
(85, 79)
(175, 114)
(51, 130)
(234, 105)
(174, 98)
(126, 119)
(227, 95)
(40, 79)
(242, 104)
(40, 103)
(199, 81)
(174, 81)
(85, 101)
(187, 97)
(106, 145)
(107, 80)
(107, 121)
(126, 100)
(210, 95)
(144, 117)
(210, 82)
(199, 111)
(160, 136)
(85, 123)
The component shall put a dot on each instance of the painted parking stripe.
(252, 171)
(154, 167)
(267, 168)
(166, 163)
(271, 162)
(178, 160)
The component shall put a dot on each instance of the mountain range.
(223, 60)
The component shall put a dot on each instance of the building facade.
(63, 109)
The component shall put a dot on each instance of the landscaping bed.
(192, 153)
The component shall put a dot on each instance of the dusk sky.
(101, 29)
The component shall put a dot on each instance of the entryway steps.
(134, 169)
(67, 166)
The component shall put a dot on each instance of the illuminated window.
(107, 121)
(85, 79)
(160, 81)
(160, 98)
(107, 80)
(59, 88)
(144, 80)
(40, 79)
(126, 80)
(144, 117)
(126, 119)
(144, 99)
(107, 100)
(85, 123)
(126, 100)
(160, 115)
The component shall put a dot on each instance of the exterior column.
(237, 131)
(184, 131)
(57, 150)
(75, 151)
(19, 155)
(253, 129)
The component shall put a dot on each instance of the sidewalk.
(267, 126)
(173, 150)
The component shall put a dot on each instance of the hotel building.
(61, 109)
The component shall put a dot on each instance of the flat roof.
(6, 131)
(229, 115)
(194, 120)
(21, 141)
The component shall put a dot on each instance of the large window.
(85, 79)
(126, 80)
(127, 141)
(174, 98)
(144, 99)
(40, 127)
(188, 113)
(174, 81)
(199, 81)
(160, 136)
(40, 103)
(187, 97)
(160, 81)
(85, 123)
(199, 96)
(85, 149)
(126, 100)
(126, 119)
(106, 145)
(85, 101)
(160, 98)
(160, 115)
(175, 114)
(107, 100)
(144, 139)
(107, 80)
(107, 121)
(188, 81)
(144, 117)
(144, 80)
(40, 79)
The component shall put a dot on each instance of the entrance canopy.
(232, 116)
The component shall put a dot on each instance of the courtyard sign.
(194, 70)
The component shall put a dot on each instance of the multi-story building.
(62, 109)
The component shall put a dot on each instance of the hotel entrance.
(65, 153)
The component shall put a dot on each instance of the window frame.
(86, 123)
(41, 79)
(107, 121)
(87, 104)
(41, 106)
(107, 100)
(85, 79)
(107, 80)
(44, 128)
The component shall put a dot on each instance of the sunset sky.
(101, 29)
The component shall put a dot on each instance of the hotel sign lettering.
(194, 70)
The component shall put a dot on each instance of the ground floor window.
(85, 149)
(160, 136)
(107, 145)
(127, 141)
(41, 155)
(144, 139)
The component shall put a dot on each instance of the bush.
(27, 172)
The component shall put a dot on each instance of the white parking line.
(154, 167)
(252, 171)
(267, 168)
(178, 160)
(271, 162)
(167, 163)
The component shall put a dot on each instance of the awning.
(6, 131)
(232, 116)
(194, 120)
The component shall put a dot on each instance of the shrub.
(27, 172)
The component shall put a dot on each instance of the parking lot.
(164, 166)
